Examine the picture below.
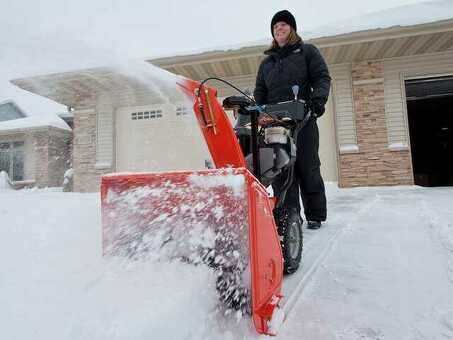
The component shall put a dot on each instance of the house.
(34, 150)
(388, 121)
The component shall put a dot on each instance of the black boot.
(314, 225)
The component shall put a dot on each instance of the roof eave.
(321, 42)
(32, 129)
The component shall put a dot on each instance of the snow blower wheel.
(291, 240)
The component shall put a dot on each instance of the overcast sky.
(40, 37)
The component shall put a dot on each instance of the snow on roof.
(408, 15)
(401, 16)
(34, 122)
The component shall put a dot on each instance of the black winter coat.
(299, 64)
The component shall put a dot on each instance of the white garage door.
(158, 138)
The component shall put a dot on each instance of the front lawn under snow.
(380, 268)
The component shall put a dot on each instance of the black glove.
(318, 109)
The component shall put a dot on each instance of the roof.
(126, 85)
(33, 123)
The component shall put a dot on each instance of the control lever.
(295, 89)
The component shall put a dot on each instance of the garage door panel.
(169, 142)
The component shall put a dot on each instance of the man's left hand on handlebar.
(317, 109)
(265, 119)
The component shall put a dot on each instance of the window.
(146, 115)
(182, 111)
(12, 159)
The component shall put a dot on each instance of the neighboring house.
(34, 151)
(388, 120)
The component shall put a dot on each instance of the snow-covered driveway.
(389, 271)
(381, 268)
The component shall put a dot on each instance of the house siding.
(374, 163)
(104, 133)
(344, 107)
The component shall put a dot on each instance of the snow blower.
(221, 217)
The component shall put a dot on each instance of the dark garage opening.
(430, 115)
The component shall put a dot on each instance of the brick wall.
(41, 150)
(52, 148)
(60, 153)
(86, 176)
(374, 164)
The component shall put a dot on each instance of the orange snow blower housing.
(222, 217)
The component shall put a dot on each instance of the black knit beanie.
(284, 16)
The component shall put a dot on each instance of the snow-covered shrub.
(68, 180)
(5, 182)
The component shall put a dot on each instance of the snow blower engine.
(221, 217)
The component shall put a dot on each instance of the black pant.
(307, 176)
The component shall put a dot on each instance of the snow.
(5, 182)
(34, 122)
(379, 268)
(278, 317)
(406, 15)
(69, 173)
(235, 182)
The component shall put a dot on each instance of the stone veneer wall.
(52, 149)
(374, 164)
(41, 149)
(60, 154)
(86, 176)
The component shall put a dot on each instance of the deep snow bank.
(54, 283)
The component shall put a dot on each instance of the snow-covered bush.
(5, 182)
(68, 180)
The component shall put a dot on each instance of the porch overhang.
(82, 89)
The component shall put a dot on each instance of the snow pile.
(5, 182)
(34, 122)
(55, 283)
(199, 218)
(236, 182)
